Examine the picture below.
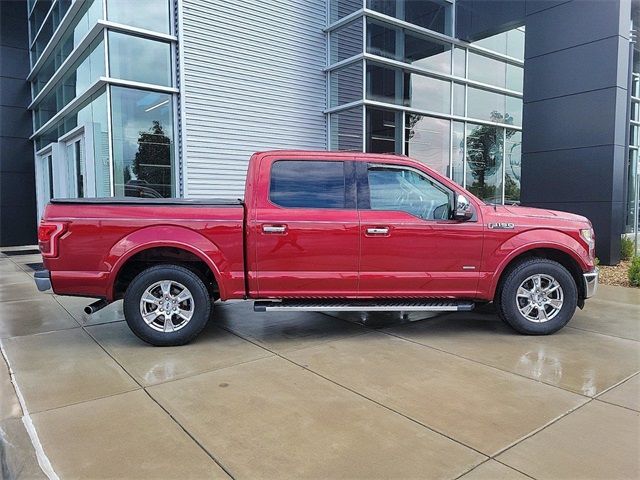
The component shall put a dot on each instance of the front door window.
(406, 190)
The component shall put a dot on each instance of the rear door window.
(308, 184)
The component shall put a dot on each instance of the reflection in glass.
(458, 99)
(346, 41)
(82, 74)
(427, 140)
(409, 47)
(431, 14)
(459, 62)
(632, 190)
(457, 150)
(494, 107)
(142, 143)
(90, 12)
(148, 14)
(430, 94)
(384, 132)
(512, 165)
(345, 84)
(509, 43)
(484, 162)
(346, 130)
(139, 59)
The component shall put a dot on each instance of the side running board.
(405, 305)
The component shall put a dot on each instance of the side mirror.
(463, 211)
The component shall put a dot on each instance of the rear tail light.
(48, 235)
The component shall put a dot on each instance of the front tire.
(538, 297)
(167, 305)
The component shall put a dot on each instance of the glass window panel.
(87, 16)
(342, 8)
(346, 130)
(484, 162)
(384, 132)
(460, 62)
(79, 78)
(345, 84)
(37, 16)
(515, 43)
(430, 94)
(385, 84)
(513, 162)
(508, 43)
(494, 107)
(408, 191)
(432, 14)
(382, 39)
(346, 41)
(487, 70)
(148, 14)
(307, 184)
(457, 160)
(458, 99)
(402, 45)
(139, 59)
(515, 77)
(635, 111)
(513, 114)
(427, 140)
(142, 143)
(425, 53)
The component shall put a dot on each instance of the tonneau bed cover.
(150, 201)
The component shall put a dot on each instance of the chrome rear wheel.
(167, 306)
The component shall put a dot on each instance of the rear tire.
(538, 297)
(167, 305)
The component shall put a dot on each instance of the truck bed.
(101, 234)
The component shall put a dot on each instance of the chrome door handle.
(378, 231)
(274, 228)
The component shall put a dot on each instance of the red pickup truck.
(319, 231)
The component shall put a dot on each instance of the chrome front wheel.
(539, 298)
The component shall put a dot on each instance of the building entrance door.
(75, 172)
(44, 178)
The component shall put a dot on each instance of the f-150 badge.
(501, 226)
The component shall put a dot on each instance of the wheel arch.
(158, 244)
(559, 254)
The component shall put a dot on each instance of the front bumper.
(43, 280)
(591, 283)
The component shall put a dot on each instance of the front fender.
(165, 236)
(521, 243)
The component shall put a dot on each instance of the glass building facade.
(400, 82)
(103, 98)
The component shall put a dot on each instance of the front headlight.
(588, 236)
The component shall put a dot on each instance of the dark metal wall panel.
(17, 183)
(575, 113)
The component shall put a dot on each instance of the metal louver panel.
(253, 80)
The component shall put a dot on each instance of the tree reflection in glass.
(150, 173)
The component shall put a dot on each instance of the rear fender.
(166, 236)
(524, 242)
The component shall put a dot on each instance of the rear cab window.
(309, 184)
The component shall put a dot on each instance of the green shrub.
(627, 248)
(634, 272)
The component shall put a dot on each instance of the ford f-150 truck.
(319, 231)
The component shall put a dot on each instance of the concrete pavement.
(276, 396)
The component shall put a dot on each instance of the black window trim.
(364, 199)
(348, 176)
